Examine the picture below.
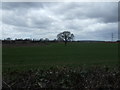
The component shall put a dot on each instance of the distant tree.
(54, 40)
(46, 39)
(8, 39)
(41, 40)
(65, 36)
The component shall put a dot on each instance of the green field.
(73, 54)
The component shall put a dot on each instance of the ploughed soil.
(24, 44)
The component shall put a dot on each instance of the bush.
(63, 77)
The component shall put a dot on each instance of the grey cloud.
(97, 31)
(14, 20)
(22, 5)
(43, 22)
(107, 12)
(36, 19)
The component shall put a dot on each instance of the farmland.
(74, 54)
(54, 65)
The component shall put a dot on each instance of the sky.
(35, 20)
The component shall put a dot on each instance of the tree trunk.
(65, 43)
(65, 40)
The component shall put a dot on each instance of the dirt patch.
(25, 45)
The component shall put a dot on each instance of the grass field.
(58, 54)
(54, 65)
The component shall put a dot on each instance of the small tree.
(65, 36)
(46, 39)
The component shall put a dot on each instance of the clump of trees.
(65, 36)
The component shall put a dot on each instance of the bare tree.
(65, 36)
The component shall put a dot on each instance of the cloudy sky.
(87, 21)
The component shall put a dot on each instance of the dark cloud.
(21, 5)
(107, 12)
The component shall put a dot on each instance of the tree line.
(65, 37)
